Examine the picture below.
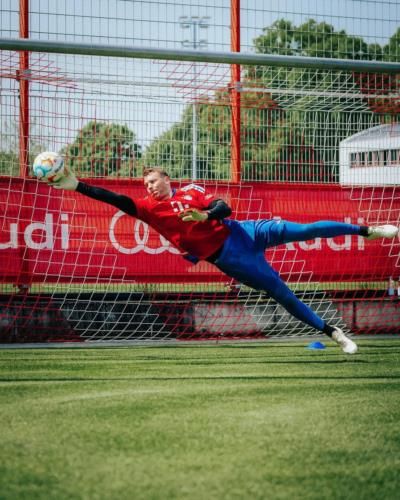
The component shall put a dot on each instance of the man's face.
(158, 186)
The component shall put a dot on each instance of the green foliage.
(313, 39)
(296, 140)
(391, 51)
(9, 154)
(103, 149)
(313, 123)
(9, 164)
(173, 149)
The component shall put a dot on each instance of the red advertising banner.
(52, 236)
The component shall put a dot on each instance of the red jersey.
(200, 239)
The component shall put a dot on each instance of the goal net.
(314, 144)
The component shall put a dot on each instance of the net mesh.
(314, 145)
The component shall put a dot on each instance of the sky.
(148, 96)
(154, 22)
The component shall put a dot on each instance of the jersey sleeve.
(120, 201)
(209, 201)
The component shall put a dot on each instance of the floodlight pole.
(195, 23)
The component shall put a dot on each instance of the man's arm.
(216, 210)
(70, 183)
(120, 201)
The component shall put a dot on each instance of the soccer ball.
(48, 166)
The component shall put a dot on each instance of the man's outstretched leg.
(277, 232)
(255, 272)
(286, 298)
(338, 336)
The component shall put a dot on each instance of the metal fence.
(198, 119)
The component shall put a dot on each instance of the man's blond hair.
(150, 170)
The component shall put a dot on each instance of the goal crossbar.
(197, 55)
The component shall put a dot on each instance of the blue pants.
(243, 257)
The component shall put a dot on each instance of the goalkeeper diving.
(198, 225)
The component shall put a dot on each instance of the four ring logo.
(141, 234)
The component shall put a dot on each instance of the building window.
(394, 157)
(379, 158)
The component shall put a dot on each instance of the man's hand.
(193, 215)
(67, 181)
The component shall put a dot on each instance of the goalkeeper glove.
(67, 181)
(193, 215)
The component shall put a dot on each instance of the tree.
(317, 112)
(104, 149)
(391, 51)
(173, 149)
(9, 153)
(292, 118)
(9, 164)
(313, 39)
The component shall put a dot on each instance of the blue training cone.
(316, 345)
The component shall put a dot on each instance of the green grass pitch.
(228, 421)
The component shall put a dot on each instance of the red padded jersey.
(200, 239)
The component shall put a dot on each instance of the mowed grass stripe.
(223, 422)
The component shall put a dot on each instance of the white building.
(371, 157)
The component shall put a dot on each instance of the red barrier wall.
(53, 236)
